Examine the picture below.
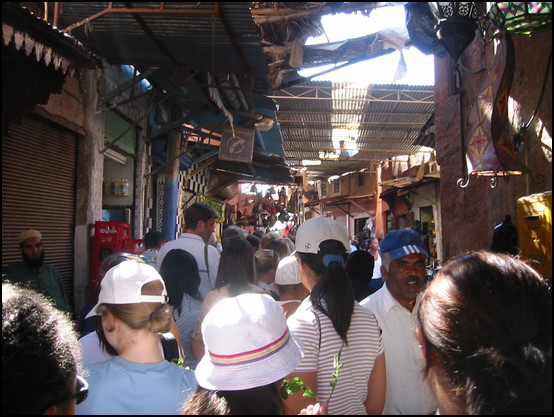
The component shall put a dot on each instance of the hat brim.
(253, 374)
(93, 312)
(405, 251)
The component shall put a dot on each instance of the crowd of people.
(266, 324)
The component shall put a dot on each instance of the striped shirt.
(357, 358)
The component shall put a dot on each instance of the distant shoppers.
(34, 273)
(268, 237)
(259, 233)
(283, 246)
(330, 321)
(255, 241)
(292, 234)
(40, 356)
(199, 226)
(152, 242)
(486, 336)
(395, 306)
(134, 310)
(249, 351)
(231, 232)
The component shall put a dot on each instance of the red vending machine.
(108, 239)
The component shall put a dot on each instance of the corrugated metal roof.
(203, 36)
(186, 41)
(379, 121)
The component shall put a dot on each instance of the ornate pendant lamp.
(521, 17)
(456, 26)
(490, 151)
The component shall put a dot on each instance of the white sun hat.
(123, 284)
(248, 344)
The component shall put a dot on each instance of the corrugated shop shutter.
(38, 191)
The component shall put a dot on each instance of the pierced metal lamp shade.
(456, 26)
(521, 17)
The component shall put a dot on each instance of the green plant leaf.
(294, 386)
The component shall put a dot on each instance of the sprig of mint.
(337, 365)
(292, 387)
(178, 361)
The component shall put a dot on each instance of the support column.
(171, 188)
(380, 221)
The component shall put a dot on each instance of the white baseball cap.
(123, 284)
(248, 344)
(312, 232)
(288, 272)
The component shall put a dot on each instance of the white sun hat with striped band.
(248, 344)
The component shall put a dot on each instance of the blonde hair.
(264, 261)
(268, 237)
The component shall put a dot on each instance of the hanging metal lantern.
(490, 151)
(456, 26)
(521, 17)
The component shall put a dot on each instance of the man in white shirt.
(199, 226)
(395, 306)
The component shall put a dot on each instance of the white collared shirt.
(407, 389)
(377, 267)
(197, 247)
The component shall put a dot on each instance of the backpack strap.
(206, 262)
(319, 327)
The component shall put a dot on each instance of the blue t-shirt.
(118, 386)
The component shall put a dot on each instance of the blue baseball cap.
(399, 243)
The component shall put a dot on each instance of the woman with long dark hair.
(179, 271)
(334, 328)
(235, 276)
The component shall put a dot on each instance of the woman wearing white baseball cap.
(330, 321)
(249, 351)
(134, 310)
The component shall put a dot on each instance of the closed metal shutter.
(38, 192)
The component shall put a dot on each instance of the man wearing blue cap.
(395, 306)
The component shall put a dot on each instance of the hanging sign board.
(237, 147)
